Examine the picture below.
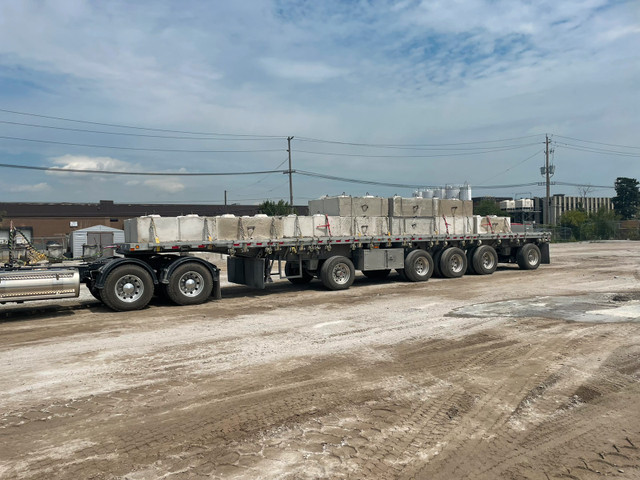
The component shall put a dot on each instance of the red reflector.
(338, 241)
(201, 246)
(236, 244)
(258, 244)
(175, 247)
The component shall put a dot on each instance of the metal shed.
(99, 236)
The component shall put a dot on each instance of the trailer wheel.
(528, 257)
(453, 263)
(337, 273)
(189, 284)
(376, 274)
(484, 260)
(128, 287)
(292, 268)
(418, 266)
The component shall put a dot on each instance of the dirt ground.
(521, 375)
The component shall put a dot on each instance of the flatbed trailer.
(129, 280)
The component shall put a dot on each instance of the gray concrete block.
(413, 207)
(344, 205)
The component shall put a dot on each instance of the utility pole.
(547, 209)
(225, 198)
(290, 174)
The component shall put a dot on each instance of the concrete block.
(260, 227)
(146, 229)
(345, 206)
(227, 227)
(414, 226)
(456, 208)
(413, 207)
(190, 228)
(331, 225)
(369, 226)
(295, 226)
(491, 224)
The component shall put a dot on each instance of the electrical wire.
(103, 132)
(112, 172)
(598, 143)
(497, 149)
(580, 148)
(510, 168)
(567, 184)
(382, 145)
(50, 117)
(176, 150)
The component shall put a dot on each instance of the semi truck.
(417, 237)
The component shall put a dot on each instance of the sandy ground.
(521, 375)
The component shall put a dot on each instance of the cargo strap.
(446, 224)
(488, 223)
(327, 225)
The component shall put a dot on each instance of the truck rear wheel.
(337, 273)
(128, 287)
(484, 260)
(293, 268)
(376, 274)
(190, 284)
(453, 263)
(528, 257)
(418, 266)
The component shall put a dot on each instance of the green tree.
(604, 224)
(627, 199)
(271, 208)
(575, 220)
(487, 206)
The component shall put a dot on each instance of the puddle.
(595, 308)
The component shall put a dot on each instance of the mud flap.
(544, 253)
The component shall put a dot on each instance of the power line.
(567, 184)
(103, 132)
(597, 143)
(581, 148)
(112, 172)
(498, 149)
(382, 145)
(136, 127)
(510, 168)
(176, 150)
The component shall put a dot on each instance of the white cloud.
(84, 162)
(38, 187)
(304, 71)
(164, 185)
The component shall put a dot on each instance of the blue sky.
(468, 74)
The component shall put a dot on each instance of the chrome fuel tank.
(38, 284)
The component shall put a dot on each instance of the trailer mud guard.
(545, 257)
(246, 271)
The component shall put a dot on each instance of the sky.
(380, 97)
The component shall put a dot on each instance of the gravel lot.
(521, 375)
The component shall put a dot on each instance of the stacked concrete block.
(369, 226)
(332, 225)
(190, 228)
(456, 208)
(150, 228)
(491, 224)
(413, 207)
(347, 206)
(455, 225)
(295, 226)
(414, 226)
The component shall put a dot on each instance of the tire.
(436, 264)
(453, 263)
(128, 287)
(470, 252)
(291, 268)
(418, 266)
(528, 257)
(337, 273)
(376, 274)
(190, 284)
(484, 260)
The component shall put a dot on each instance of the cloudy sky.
(406, 93)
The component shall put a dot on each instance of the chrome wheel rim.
(532, 257)
(421, 266)
(488, 261)
(191, 284)
(341, 274)
(456, 263)
(129, 288)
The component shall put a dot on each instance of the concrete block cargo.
(418, 237)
